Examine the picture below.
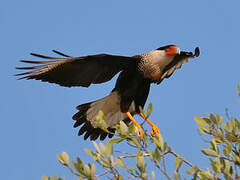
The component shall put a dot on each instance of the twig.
(130, 156)
(122, 152)
(176, 155)
(107, 171)
(73, 171)
(164, 164)
(164, 172)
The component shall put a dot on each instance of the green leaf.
(77, 166)
(115, 140)
(111, 161)
(135, 141)
(188, 172)
(213, 146)
(120, 163)
(149, 110)
(230, 137)
(216, 166)
(96, 147)
(219, 134)
(109, 149)
(165, 146)
(158, 141)
(176, 175)
(225, 165)
(101, 121)
(157, 155)
(54, 178)
(195, 169)
(225, 152)
(145, 137)
(93, 171)
(213, 118)
(123, 128)
(219, 119)
(229, 149)
(206, 175)
(142, 111)
(204, 130)
(79, 161)
(131, 129)
(226, 127)
(140, 162)
(63, 158)
(178, 162)
(133, 170)
(102, 148)
(87, 171)
(202, 121)
(235, 130)
(105, 164)
(232, 124)
(44, 178)
(209, 152)
(91, 153)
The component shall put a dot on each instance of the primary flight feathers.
(76, 71)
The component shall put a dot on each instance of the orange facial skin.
(172, 50)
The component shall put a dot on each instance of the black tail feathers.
(94, 133)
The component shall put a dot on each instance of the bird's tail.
(87, 115)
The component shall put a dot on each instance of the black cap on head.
(165, 47)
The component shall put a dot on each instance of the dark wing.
(177, 63)
(76, 71)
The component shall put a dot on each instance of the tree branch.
(176, 155)
(107, 171)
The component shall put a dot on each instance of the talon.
(155, 130)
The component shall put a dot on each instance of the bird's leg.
(155, 130)
(135, 123)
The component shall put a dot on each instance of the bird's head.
(170, 50)
(173, 50)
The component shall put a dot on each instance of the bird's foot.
(155, 131)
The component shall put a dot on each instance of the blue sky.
(36, 120)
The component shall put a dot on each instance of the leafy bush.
(223, 150)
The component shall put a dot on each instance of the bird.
(126, 98)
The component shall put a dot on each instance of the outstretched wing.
(76, 71)
(177, 63)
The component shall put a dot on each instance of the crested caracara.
(131, 89)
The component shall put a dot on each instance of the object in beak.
(190, 54)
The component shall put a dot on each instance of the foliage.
(223, 150)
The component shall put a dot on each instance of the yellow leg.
(136, 124)
(155, 130)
